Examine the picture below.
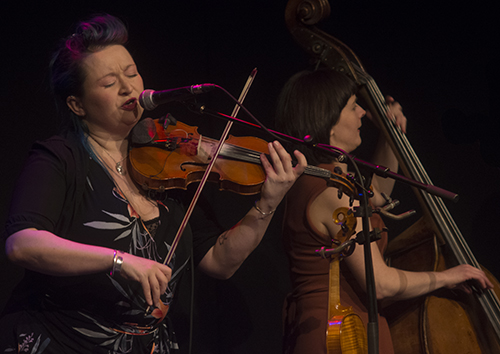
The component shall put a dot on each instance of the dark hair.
(310, 104)
(66, 74)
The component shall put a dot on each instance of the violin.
(168, 154)
(177, 155)
(346, 333)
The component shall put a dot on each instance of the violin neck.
(251, 156)
(334, 287)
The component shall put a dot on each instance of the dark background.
(436, 58)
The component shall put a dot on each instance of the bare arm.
(389, 282)
(398, 284)
(47, 253)
(234, 245)
(384, 156)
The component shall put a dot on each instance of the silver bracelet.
(263, 213)
(117, 263)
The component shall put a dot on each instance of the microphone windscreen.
(144, 132)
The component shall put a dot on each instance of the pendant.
(119, 168)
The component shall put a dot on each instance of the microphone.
(150, 99)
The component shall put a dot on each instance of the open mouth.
(130, 104)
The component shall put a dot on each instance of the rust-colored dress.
(306, 308)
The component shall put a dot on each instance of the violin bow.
(190, 209)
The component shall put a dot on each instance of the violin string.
(241, 153)
(248, 155)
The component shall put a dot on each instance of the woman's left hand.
(234, 245)
(281, 174)
(395, 113)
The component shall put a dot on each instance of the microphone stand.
(364, 211)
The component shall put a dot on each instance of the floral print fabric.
(92, 313)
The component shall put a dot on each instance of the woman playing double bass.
(323, 104)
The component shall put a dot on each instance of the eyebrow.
(113, 74)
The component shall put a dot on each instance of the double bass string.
(450, 231)
(418, 172)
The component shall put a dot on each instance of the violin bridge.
(206, 149)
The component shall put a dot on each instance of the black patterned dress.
(64, 191)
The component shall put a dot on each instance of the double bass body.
(445, 321)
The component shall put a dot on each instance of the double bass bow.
(443, 321)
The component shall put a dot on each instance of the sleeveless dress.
(306, 308)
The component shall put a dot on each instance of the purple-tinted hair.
(66, 74)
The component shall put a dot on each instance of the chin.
(138, 111)
(134, 117)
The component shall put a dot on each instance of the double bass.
(443, 321)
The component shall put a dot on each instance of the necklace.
(118, 165)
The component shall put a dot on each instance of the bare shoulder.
(322, 208)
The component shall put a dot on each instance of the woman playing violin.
(91, 241)
(323, 104)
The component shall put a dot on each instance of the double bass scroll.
(445, 321)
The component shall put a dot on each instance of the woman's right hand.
(46, 253)
(152, 276)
